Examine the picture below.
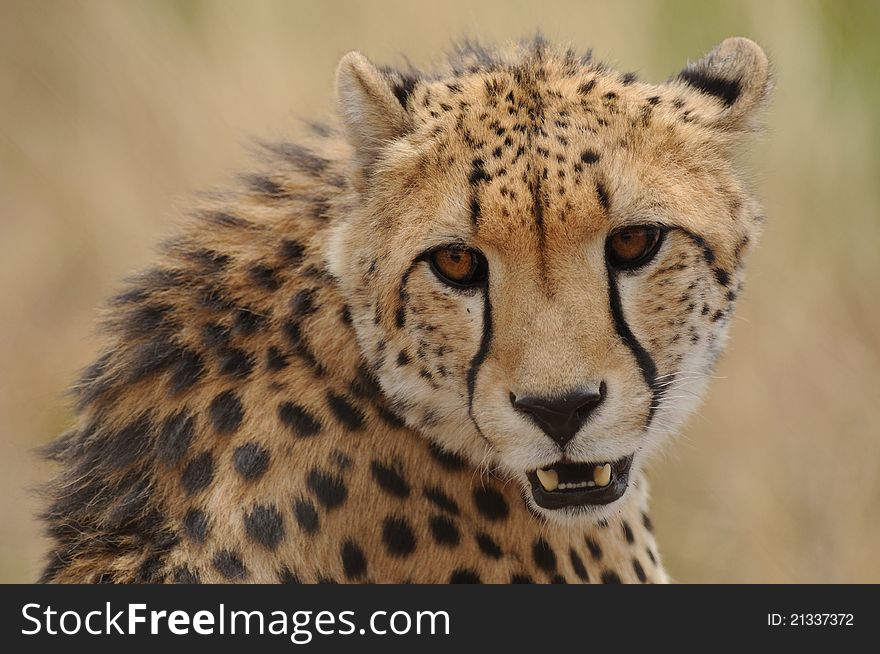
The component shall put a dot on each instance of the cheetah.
(435, 340)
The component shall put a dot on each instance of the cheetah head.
(542, 255)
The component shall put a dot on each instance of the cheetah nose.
(560, 417)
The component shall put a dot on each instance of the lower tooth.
(602, 474)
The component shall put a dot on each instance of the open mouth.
(580, 484)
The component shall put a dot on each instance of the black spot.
(646, 520)
(602, 194)
(264, 276)
(350, 416)
(389, 417)
(183, 575)
(444, 530)
(303, 302)
(478, 173)
(441, 500)
(230, 565)
(265, 526)
(400, 317)
(222, 219)
(306, 516)
(398, 536)
(292, 252)
(558, 579)
(365, 384)
(122, 448)
(175, 437)
(146, 320)
(390, 480)
(298, 419)
(300, 157)
(464, 576)
(354, 563)
(287, 576)
(651, 555)
(590, 157)
(587, 86)
(403, 358)
(595, 550)
(488, 546)
(727, 90)
(578, 565)
(722, 276)
(248, 322)
(328, 488)
(149, 571)
(264, 185)
(195, 525)
(276, 359)
(475, 210)
(521, 579)
(198, 474)
(149, 358)
(609, 577)
(544, 556)
(447, 460)
(215, 335)
(235, 362)
(490, 503)
(210, 261)
(226, 412)
(629, 78)
(628, 533)
(105, 578)
(718, 315)
(403, 88)
(640, 571)
(251, 460)
(186, 371)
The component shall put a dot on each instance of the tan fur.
(292, 377)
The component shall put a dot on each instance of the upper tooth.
(549, 479)
(602, 474)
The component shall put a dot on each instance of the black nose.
(560, 417)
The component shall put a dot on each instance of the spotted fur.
(291, 395)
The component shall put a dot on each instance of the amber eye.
(632, 247)
(458, 266)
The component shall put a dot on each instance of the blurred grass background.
(111, 113)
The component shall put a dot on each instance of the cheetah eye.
(632, 247)
(458, 266)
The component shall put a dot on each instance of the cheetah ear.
(736, 75)
(371, 103)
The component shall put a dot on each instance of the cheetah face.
(543, 256)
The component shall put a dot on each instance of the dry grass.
(110, 113)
